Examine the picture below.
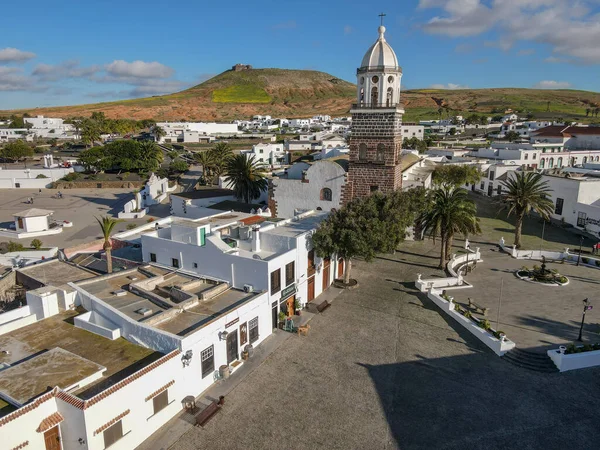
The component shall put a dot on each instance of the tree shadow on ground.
(567, 330)
(114, 205)
(404, 252)
(400, 261)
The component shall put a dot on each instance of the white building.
(269, 154)
(190, 131)
(568, 137)
(46, 127)
(413, 131)
(14, 134)
(299, 123)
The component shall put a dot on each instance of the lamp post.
(586, 307)
(580, 244)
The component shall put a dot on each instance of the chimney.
(256, 239)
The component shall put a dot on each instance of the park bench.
(323, 306)
(207, 413)
(478, 308)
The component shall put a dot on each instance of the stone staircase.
(538, 362)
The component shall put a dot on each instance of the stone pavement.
(170, 433)
(534, 316)
(381, 368)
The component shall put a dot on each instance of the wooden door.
(326, 277)
(52, 439)
(232, 347)
(340, 268)
(20, 223)
(311, 289)
(291, 307)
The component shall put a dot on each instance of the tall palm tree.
(246, 176)
(107, 225)
(450, 211)
(152, 155)
(526, 191)
(207, 161)
(221, 154)
(158, 132)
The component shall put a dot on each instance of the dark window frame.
(113, 433)
(207, 361)
(558, 208)
(160, 401)
(311, 263)
(152, 257)
(175, 263)
(253, 330)
(290, 273)
(275, 281)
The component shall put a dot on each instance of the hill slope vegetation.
(304, 93)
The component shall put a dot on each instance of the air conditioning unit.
(248, 288)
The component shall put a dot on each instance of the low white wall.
(27, 257)
(133, 215)
(537, 255)
(88, 321)
(15, 319)
(496, 345)
(15, 314)
(574, 360)
(4, 232)
(456, 280)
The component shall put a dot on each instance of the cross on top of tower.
(382, 15)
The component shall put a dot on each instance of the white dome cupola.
(378, 78)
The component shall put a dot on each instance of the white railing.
(456, 279)
(537, 255)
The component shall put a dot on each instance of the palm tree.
(152, 155)
(526, 191)
(90, 132)
(207, 161)
(246, 176)
(450, 211)
(158, 132)
(107, 225)
(221, 154)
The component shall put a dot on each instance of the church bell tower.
(376, 138)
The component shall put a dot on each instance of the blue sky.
(69, 52)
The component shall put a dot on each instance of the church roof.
(380, 54)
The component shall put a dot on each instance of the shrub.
(457, 307)
(498, 333)
(525, 269)
(585, 260)
(14, 246)
(131, 226)
(41, 175)
(73, 176)
(468, 314)
(485, 324)
(150, 219)
(563, 280)
(36, 243)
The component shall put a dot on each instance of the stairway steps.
(531, 361)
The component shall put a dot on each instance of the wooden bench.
(207, 413)
(323, 306)
(478, 308)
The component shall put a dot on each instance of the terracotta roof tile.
(21, 445)
(252, 220)
(27, 408)
(158, 391)
(51, 421)
(111, 422)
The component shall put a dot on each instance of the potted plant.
(298, 307)
(562, 349)
(281, 317)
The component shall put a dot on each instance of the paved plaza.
(79, 206)
(383, 369)
(537, 317)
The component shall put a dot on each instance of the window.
(195, 265)
(113, 433)
(526, 156)
(559, 206)
(290, 273)
(380, 152)
(175, 263)
(581, 218)
(17, 185)
(559, 162)
(584, 159)
(542, 163)
(326, 194)
(311, 263)
(275, 281)
(388, 99)
(374, 188)
(499, 190)
(161, 401)
(254, 330)
(491, 176)
(152, 257)
(374, 95)
(362, 151)
(482, 187)
(207, 357)
(534, 156)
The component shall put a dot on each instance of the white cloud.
(139, 69)
(63, 70)
(526, 52)
(569, 27)
(10, 54)
(449, 86)
(348, 29)
(14, 79)
(551, 84)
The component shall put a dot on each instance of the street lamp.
(586, 307)
(581, 238)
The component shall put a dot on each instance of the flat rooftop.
(57, 273)
(120, 357)
(56, 367)
(191, 319)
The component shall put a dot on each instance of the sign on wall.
(290, 290)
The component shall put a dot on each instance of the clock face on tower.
(375, 79)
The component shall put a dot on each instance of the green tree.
(246, 176)
(107, 225)
(178, 166)
(512, 136)
(450, 175)
(158, 132)
(221, 154)
(92, 159)
(526, 192)
(37, 244)
(17, 150)
(152, 155)
(449, 211)
(207, 161)
(90, 132)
